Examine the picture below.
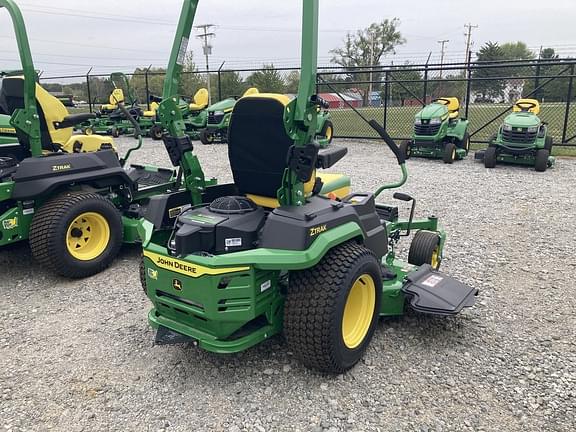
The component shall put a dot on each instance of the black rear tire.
(314, 312)
(449, 153)
(424, 249)
(51, 227)
(548, 143)
(490, 157)
(406, 149)
(541, 163)
(465, 143)
(115, 132)
(156, 132)
(328, 131)
(206, 137)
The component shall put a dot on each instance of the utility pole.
(468, 35)
(206, 36)
(443, 43)
(371, 70)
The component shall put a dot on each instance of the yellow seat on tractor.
(258, 145)
(56, 123)
(200, 100)
(251, 91)
(528, 105)
(453, 105)
(116, 97)
(151, 113)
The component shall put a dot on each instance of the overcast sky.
(70, 36)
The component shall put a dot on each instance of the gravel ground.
(78, 355)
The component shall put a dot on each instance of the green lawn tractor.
(70, 196)
(285, 248)
(218, 119)
(523, 139)
(439, 132)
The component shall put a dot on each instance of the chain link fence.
(392, 94)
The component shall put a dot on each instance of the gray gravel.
(78, 355)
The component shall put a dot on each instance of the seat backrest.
(201, 97)
(116, 96)
(50, 110)
(258, 143)
(251, 91)
(530, 105)
(452, 103)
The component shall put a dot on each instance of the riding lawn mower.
(439, 132)
(285, 247)
(522, 139)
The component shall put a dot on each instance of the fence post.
(424, 99)
(88, 89)
(147, 88)
(220, 81)
(537, 79)
(568, 103)
(468, 83)
(386, 96)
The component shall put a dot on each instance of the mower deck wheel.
(76, 234)
(425, 249)
(490, 157)
(541, 162)
(405, 149)
(331, 309)
(449, 153)
(115, 132)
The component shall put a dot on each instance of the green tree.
(516, 51)
(192, 79)
(267, 80)
(487, 86)
(231, 84)
(292, 82)
(406, 83)
(366, 48)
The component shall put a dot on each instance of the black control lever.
(407, 198)
(388, 140)
(317, 100)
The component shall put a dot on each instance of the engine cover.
(229, 224)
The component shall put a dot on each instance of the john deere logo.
(9, 224)
(177, 285)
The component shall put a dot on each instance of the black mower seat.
(258, 145)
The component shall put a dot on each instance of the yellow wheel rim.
(88, 131)
(435, 258)
(358, 311)
(329, 133)
(88, 236)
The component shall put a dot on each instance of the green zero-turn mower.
(219, 119)
(522, 139)
(111, 118)
(278, 250)
(69, 195)
(439, 132)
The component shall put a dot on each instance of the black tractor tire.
(449, 153)
(424, 249)
(490, 157)
(328, 127)
(465, 142)
(156, 132)
(317, 298)
(115, 132)
(548, 143)
(406, 148)
(53, 225)
(206, 137)
(541, 163)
